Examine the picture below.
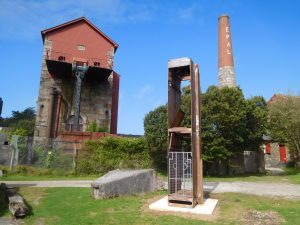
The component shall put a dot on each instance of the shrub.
(55, 159)
(94, 127)
(156, 135)
(110, 153)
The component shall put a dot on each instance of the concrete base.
(206, 208)
(124, 182)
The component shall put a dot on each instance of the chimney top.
(223, 15)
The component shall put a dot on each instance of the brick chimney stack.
(226, 73)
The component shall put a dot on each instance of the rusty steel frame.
(179, 70)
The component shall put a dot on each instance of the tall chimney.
(1, 104)
(226, 73)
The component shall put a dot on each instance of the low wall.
(76, 136)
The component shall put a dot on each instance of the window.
(81, 47)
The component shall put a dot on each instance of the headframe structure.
(185, 173)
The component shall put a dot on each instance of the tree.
(230, 123)
(156, 135)
(285, 122)
(21, 120)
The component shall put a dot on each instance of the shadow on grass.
(3, 201)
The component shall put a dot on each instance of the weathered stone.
(124, 182)
(227, 77)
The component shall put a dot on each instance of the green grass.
(18, 177)
(75, 206)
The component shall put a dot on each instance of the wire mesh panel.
(180, 176)
(57, 156)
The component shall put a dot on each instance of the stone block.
(124, 182)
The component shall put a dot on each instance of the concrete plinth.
(206, 208)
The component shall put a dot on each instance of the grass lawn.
(75, 206)
(17, 177)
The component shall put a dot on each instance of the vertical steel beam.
(79, 73)
(196, 135)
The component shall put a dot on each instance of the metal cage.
(180, 177)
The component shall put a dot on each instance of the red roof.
(44, 32)
(275, 97)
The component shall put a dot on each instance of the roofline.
(44, 32)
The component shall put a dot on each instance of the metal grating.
(180, 174)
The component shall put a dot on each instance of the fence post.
(15, 152)
(74, 156)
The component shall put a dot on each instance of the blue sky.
(265, 36)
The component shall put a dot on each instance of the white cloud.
(188, 13)
(144, 91)
(24, 19)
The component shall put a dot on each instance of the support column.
(79, 73)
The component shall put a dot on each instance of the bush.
(55, 159)
(94, 127)
(110, 153)
(26, 170)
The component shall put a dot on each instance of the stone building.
(226, 74)
(276, 154)
(78, 84)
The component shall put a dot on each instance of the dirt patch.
(261, 218)
(40, 221)
(145, 209)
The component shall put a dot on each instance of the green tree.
(21, 120)
(156, 135)
(285, 123)
(230, 124)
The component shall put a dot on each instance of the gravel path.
(291, 191)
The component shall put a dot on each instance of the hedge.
(108, 153)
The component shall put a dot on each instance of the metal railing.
(67, 57)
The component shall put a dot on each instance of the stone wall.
(227, 77)
(254, 161)
(96, 99)
(5, 155)
(44, 95)
(273, 159)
